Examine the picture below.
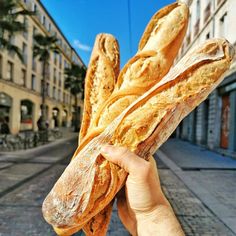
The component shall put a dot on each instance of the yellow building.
(20, 82)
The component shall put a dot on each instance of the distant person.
(5, 127)
(47, 124)
(40, 123)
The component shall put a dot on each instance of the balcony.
(197, 27)
(207, 12)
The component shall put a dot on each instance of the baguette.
(100, 79)
(100, 82)
(157, 50)
(155, 34)
(142, 127)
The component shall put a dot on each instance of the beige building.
(20, 82)
(213, 123)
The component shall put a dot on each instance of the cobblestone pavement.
(194, 216)
(24, 185)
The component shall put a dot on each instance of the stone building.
(20, 82)
(213, 123)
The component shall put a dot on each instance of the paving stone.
(18, 172)
(4, 165)
(207, 226)
(224, 191)
(194, 216)
(27, 221)
(187, 155)
(33, 192)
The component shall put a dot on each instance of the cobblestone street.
(26, 180)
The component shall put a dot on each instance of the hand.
(142, 201)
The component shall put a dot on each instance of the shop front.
(227, 93)
(5, 110)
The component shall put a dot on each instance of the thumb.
(124, 158)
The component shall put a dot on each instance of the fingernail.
(107, 149)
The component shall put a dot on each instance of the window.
(10, 71)
(222, 25)
(35, 31)
(49, 27)
(34, 64)
(24, 51)
(26, 25)
(48, 89)
(59, 78)
(34, 8)
(55, 58)
(0, 67)
(12, 40)
(60, 61)
(44, 20)
(33, 82)
(208, 35)
(59, 42)
(55, 76)
(59, 94)
(54, 92)
(23, 78)
(64, 97)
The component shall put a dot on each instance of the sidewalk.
(201, 186)
(31, 153)
(25, 180)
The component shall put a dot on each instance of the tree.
(10, 24)
(75, 83)
(43, 46)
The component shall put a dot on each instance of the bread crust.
(158, 44)
(165, 105)
(157, 51)
(153, 60)
(100, 79)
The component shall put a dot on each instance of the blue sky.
(82, 20)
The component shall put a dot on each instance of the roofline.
(58, 28)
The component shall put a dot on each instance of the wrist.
(158, 221)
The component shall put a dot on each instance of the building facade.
(21, 82)
(213, 123)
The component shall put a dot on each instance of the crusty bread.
(155, 38)
(100, 82)
(158, 47)
(100, 79)
(90, 182)
(157, 50)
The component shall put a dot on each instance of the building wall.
(25, 83)
(214, 18)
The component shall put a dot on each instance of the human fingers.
(124, 158)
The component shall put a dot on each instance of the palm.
(75, 83)
(43, 46)
(10, 25)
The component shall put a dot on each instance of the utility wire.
(130, 27)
